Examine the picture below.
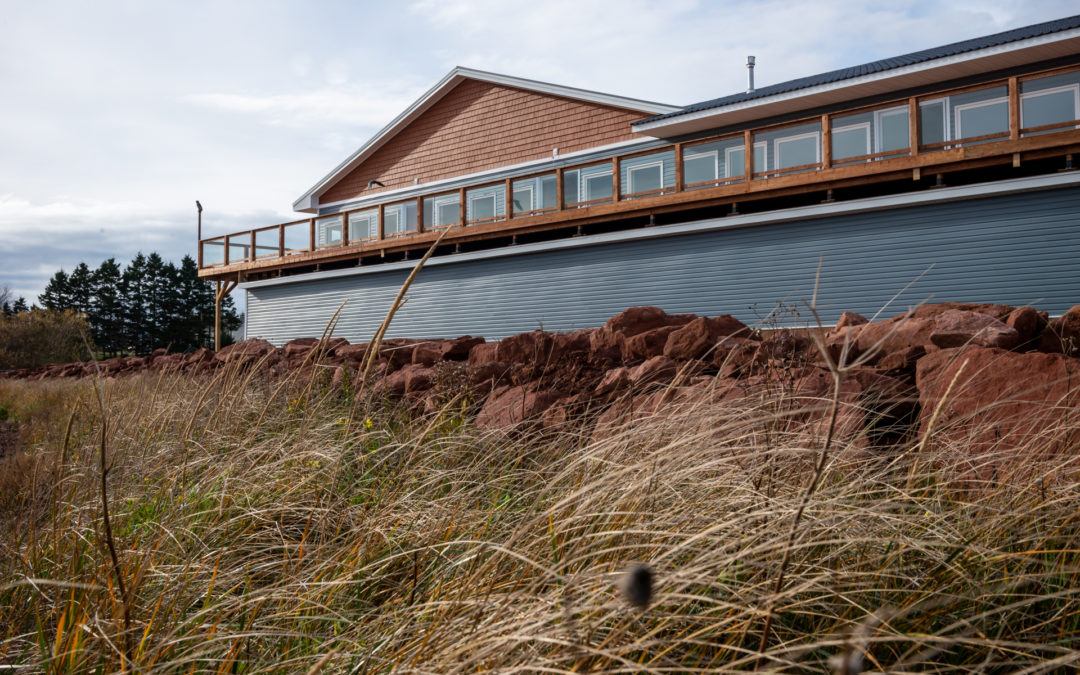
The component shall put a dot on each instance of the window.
(852, 140)
(798, 150)
(399, 219)
(736, 161)
(441, 211)
(982, 118)
(700, 166)
(329, 231)
(1049, 106)
(892, 129)
(482, 207)
(364, 225)
(645, 178)
(597, 186)
(592, 183)
(523, 198)
(391, 218)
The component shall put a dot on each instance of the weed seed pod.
(637, 586)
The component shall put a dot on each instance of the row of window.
(981, 115)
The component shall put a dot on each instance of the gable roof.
(1015, 40)
(309, 200)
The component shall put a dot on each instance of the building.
(566, 206)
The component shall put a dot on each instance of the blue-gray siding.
(1015, 249)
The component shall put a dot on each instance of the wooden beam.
(748, 156)
(1014, 109)
(678, 167)
(913, 125)
(826, 142)
(382, 218)
(560, 196)
(420, 214)
(251, 251)
(311, 234)
(616, 180)
(509, 200)
(461, 207)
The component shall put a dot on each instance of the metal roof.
(894, 62)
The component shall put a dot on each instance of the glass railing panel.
(537, 194)
(442, 211)
(485, 204)
(788, 150)
(1049, 104)
(330, 231)
(399, 219)
(297, 237)
(588, 185)
(870, 135)
(266, 242)
(239, 247)
(967, 118)
(364, 225)
(714, 163)
(213, 252)
(647, 175)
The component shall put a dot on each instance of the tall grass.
(280, 527)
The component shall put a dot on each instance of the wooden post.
(1014, 108)
(616, 180)
(826, 142)
(198, 240)
(281, 241)
(382, 229)
(509, 200)
(420, 215)
(748, 152)
(461, 207)
(559, 196)
(345, 229)
(678, 167)
(251, 257)
(311, 234)
(913, 125)
(217, 316)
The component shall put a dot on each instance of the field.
(258, 525)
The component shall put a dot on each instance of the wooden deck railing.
(277, 243)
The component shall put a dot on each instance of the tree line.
(148, 304)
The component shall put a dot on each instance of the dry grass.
(267, 527)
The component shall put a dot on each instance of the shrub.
(41, 336)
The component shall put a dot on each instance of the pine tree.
(106, 308)
(160, 284)
(57, 293)
(187, 330)
(134, 291)
(81, 286)
(20, 306)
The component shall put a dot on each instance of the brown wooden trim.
(281, 240)
(508, 207)
(716, 182)
(253, 254)
(960, 142)
(748, 154)
(560, 178)
(462, 208)
(382, 222)
(1040, 74)
(1069, 124)
(874, 155)
(775, 173)
(344, 227)
(311, 233)
(1014, 109)
(616, 179)
(826, 142)
(914, 125)
(578, 205)
(678, 167)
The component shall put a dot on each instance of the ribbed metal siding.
(1016, 249)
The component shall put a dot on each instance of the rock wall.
(985, 377)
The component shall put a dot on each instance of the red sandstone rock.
(902, 359)
(353, 354)
(487, 375)
(655, 369)
(648, 344)
(607, 342)
(1001, 400)
(418, 378)
(1028, 322)
(534, 347)
(509, 407)
(694, 339)
(738, 357)
(483, 353)
(787, 345)
(393, 385)
(397, 351)
(956, 328)
(433, 351)
(851, 319)
(248, 351)
(1062, 335)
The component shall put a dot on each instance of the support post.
(1014, 108)
(826, 142)
(678, 167)
(198, 241)
(748, 155)
(913, 126)
(217, 315)
(616, 180)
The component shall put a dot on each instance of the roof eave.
(999, 57)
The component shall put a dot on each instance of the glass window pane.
(449, 213)
(851, 141)
(570, 186)
(1048, 107)
(390, 220)
(408, 223)
(523, 199)
(598, 187)
(482, 207)
(759, 157)
(796, 151)
(699, 167)
(932, 123)
(645, 178)
(893, 127)
(736, 162)
(981, 119)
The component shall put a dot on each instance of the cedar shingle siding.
(479, 125)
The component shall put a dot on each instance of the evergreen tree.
(188, 327)
(57, 293)
(135, 294)
(106, 314)
(20, 306)
(160, 282)
(81, 287)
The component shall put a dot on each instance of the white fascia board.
(858, 81)
(308, 202)
(812, 212)
(600, 151)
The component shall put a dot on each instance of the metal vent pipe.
(750, 74)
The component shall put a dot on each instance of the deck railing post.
(382, 219)
(560, 193)
(913, 125)
(509, 200)
(345, 229)
(420, 215)
(251, 255)
(678, 167)
(748, 154)
(461, 207)
(826, 142)
(281, 241)
(311, 234)
(616, 180)
(1014, 108)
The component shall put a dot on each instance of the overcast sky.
(115, 116)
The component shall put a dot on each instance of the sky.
(116, 115)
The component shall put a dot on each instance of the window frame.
(958, 109)
(583, 183)
(879, 130)
(437, 203)
(715, 154)
(852, 159)
(532, 198)
(1075, 88)
(946, 121)
(816, 135)
(494, 206)
(370, 218)
(658, 164)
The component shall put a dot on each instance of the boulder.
(534, 347)
(246, 352)
(851, 319)
(433, 351)
(507, 408)
(353, 354)
(956, 328)
(1001, 401)
(787, 345)
(694, 339)
(1028, 323)
(418, 378)
(607, 342)
(1062, 334)
(646, 345)
(483, 353)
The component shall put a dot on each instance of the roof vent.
(750, 74)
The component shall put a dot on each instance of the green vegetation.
(39, 336)
(284, 526)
